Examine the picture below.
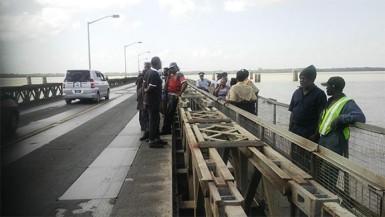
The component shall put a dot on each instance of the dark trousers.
(142, 120)
(247, 106)
(153, 122)
(172, 103)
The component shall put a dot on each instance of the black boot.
(145, 136)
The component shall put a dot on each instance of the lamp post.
(88, 31)
(138, 59)
(125, 59)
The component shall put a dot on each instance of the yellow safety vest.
(328, 116)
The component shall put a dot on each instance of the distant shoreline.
(260, 70)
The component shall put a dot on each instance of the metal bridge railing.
(359, 181)
(28, 94)
(366, 143)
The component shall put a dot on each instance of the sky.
(50, 36)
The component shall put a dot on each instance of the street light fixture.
(125, 59)
(138, 58)
(88, 31)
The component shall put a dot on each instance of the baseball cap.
(173, 64)
(201, 73)
(337, 82)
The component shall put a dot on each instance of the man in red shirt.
(176, 84)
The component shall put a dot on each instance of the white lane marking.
(36, 125)
(98, 208)
(106, 175)
(18, 150)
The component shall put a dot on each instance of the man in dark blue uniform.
(151, 100)
(306, 106)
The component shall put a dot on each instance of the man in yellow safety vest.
(339, 112)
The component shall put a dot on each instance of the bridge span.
(86, 159)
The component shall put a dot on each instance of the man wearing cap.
(340, 111)
(203, 83)
(333, 130)
(306, 106)
(176, 84)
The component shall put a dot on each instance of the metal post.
(29, 81)
(125, 63)
(138, 59)
(138, 64)
(88, 33)
(89, 49)
(295, 76)
(125, 58)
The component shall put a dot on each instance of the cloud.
(207, 53)
(178, 7)
(50, 21)
(87, 5)
(54, 17)
(242, 5)
(186, 9)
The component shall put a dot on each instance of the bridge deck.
(147, 190)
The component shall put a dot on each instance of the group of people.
(313, 116)
(321, 120)
(239, 91)
(158, 92)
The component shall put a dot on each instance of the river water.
(366, 88)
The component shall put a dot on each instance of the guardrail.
(28, 94)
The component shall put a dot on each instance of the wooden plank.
(220, 165)
(233, 188)
(335, 210)
(198, 133)
(181, 171)
(214, 193)
(266, 162)
(218, 180)
(235, 211)
(307, 199)
(216, 120)
(286, 165)
(245, 133)
(230, 144)
(189, 117)
(197, 157)
(188, 204)
(280, 184)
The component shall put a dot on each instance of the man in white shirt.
(203, 83)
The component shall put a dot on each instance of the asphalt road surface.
(56, 163)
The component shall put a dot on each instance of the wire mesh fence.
(366, 149)
(366, 144)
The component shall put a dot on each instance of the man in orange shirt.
(176, 84)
